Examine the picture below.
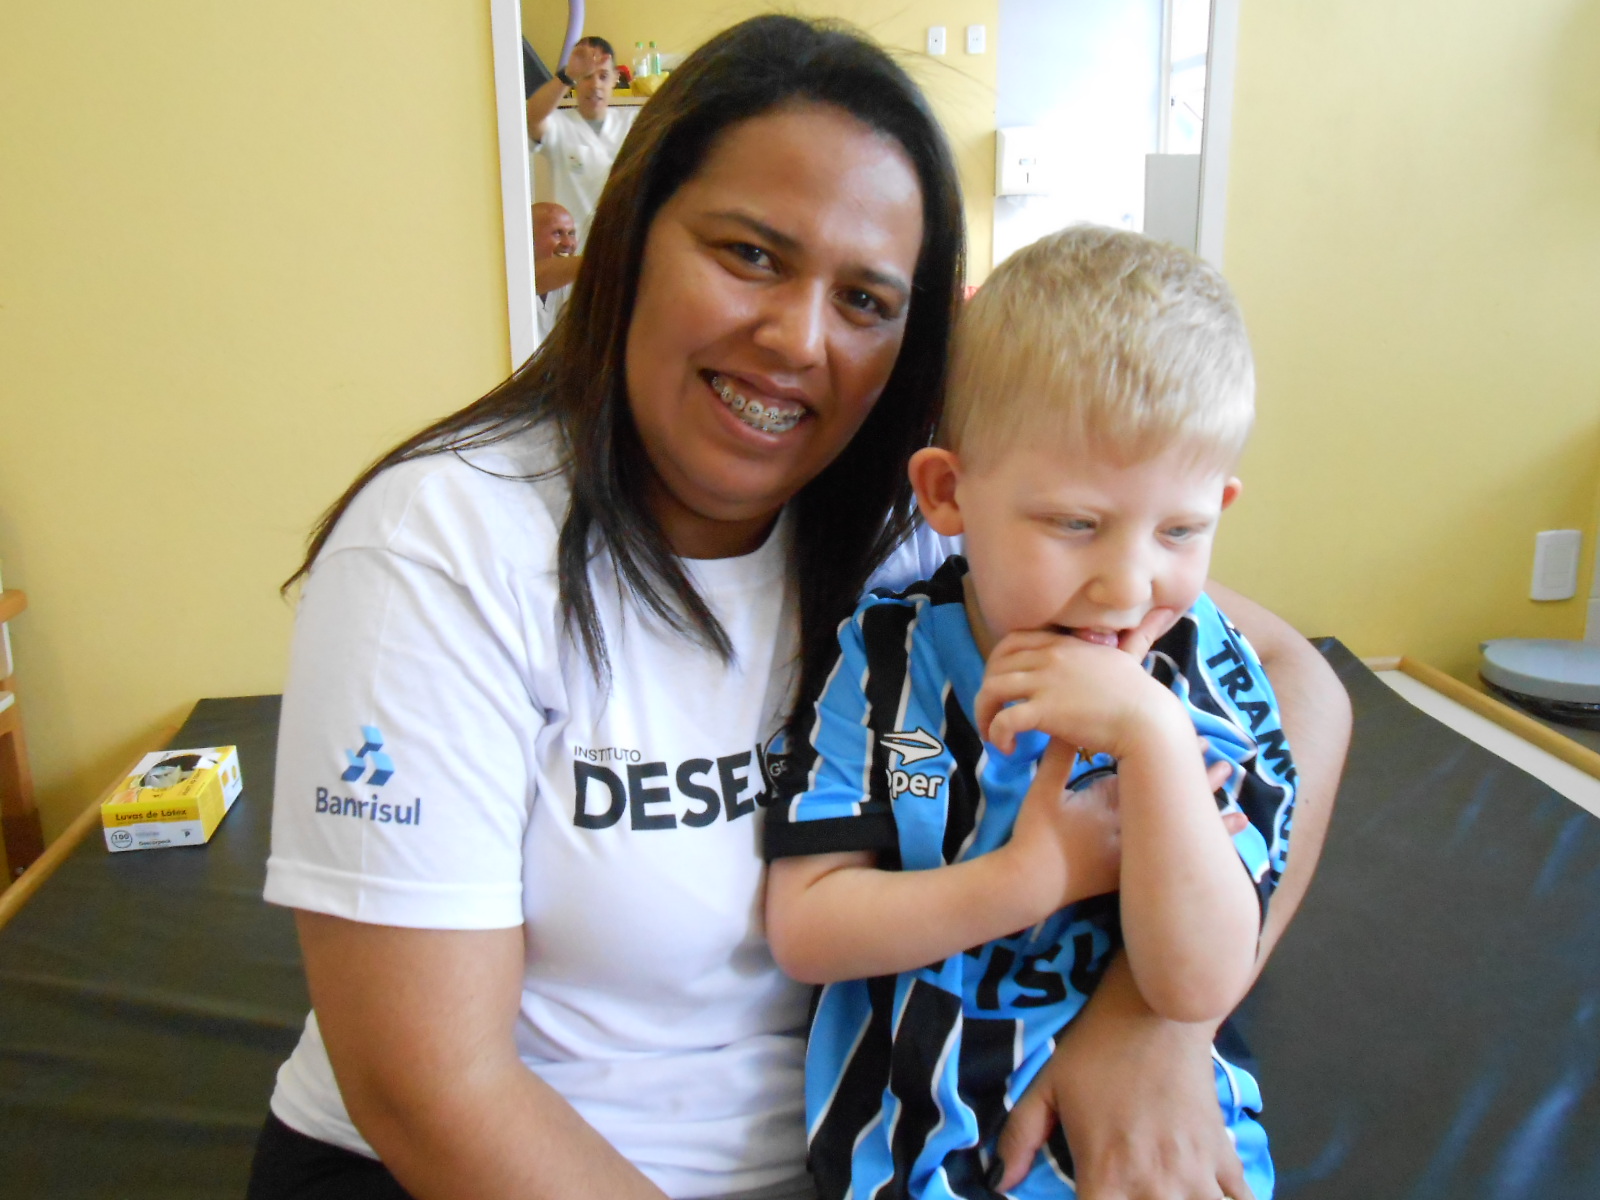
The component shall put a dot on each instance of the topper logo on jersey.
(912, 746)
(371, 754)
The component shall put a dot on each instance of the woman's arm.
(1135, 1096)
(1316, 720)
(418, 1026)
(1134, 1093)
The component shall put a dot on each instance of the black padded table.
(146, 1000)
(1429, 1029)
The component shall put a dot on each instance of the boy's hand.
(1074, 839)
(1148, 632)
(1069, 844)
(1087, 695)
(1024, 655)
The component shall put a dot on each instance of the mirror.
(1114, 111)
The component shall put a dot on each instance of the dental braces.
(754, 413)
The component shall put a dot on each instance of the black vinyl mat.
(146, 1001)
(1429, 1029)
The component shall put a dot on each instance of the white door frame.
(516, 192)
(1222, 62)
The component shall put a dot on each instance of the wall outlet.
(977, 39)
(936, 39)
(1555, 564)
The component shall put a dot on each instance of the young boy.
(1101, 391)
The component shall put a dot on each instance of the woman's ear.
(935, 472)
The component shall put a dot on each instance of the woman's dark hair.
(860, 506)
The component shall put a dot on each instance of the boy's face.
(1071, 541)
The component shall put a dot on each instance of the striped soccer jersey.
(909, 1078)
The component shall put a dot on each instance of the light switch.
(1020, 166)
(977, 39)
(936, 39)
(1555, 564)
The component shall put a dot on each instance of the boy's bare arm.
(1189, 916)
(838, 916)
(1133, 1092)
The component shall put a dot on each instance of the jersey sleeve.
(1215, 672)
(404, 768)
(830, 797)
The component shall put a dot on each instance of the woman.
(559, 629)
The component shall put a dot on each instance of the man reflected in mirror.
(555, 262)
(580, 142)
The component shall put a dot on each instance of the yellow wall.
(960, 86)
(1414, 232)
(242, 250)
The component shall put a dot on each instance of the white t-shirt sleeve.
(404, 776)
(914, 559)
(556, 133)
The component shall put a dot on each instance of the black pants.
(291, 1166)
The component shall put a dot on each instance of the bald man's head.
(555, 235)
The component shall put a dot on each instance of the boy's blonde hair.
(1106, 337)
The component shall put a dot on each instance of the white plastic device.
(1021, 166)
(935, 39)
(1555, 564)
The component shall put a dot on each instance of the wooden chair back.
(19, 818)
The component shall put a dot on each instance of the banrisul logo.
(377, 767)
(371, 749)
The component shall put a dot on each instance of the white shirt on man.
(547, 307)
(580, 158)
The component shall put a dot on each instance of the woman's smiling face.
(772, 302)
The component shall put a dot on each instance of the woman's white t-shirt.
(446, 760)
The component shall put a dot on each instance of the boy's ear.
(934, 473)
(1231, 490)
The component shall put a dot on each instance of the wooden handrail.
(1502, 714)
(12, 602)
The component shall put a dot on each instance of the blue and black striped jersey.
(909, 1078)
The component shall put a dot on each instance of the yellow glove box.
(172, 798)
